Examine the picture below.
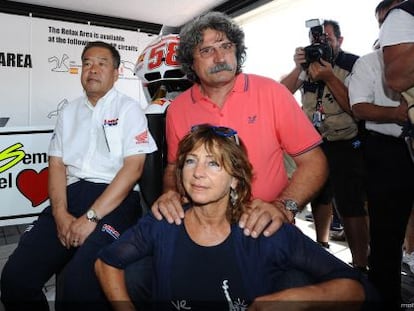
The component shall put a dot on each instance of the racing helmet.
(157, 65)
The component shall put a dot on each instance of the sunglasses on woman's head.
(220, 131)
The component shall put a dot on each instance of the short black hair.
(115, 54)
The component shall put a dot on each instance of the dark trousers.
(390, 191)
(346, 181)
(39, 255)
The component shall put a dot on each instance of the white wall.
(276, 29)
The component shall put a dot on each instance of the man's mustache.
(221, 67)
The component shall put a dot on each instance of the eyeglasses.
(220, 131)
(225, 47)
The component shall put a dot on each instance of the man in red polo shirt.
(262, 111)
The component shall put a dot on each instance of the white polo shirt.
(367, 85)
(397, 28)
(93, 141)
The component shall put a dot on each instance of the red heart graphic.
(33, 185)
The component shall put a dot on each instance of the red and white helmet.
(158, 64)
(158, 61)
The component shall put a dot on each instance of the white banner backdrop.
(40, 67)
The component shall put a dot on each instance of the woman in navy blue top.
(207, 263)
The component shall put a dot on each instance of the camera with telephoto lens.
(319, 47)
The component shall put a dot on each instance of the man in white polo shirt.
(391, 216)
(96, 156)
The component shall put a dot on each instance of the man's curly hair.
(192, 34)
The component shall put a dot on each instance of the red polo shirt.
(267, 118)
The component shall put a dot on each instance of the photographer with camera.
(321, 71)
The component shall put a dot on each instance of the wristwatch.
(92, 216)
(291, 205)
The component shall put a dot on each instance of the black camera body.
(319, 47)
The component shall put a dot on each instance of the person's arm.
(113, 195)
(381, 114)
(321, 296)
(58, 199)
(324, 71)
(169, 204)
(121, 185)
(397, 42)
(113, 284)
(366, 102)
(328, 279)
(308, 178)
(399, 66)
(291, 80)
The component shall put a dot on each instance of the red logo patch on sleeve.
(142, 138)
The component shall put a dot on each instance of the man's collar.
(106, 98)
(241, 85)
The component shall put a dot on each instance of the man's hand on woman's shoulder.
(169, 206)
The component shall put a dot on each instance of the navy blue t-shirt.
(206, 277)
